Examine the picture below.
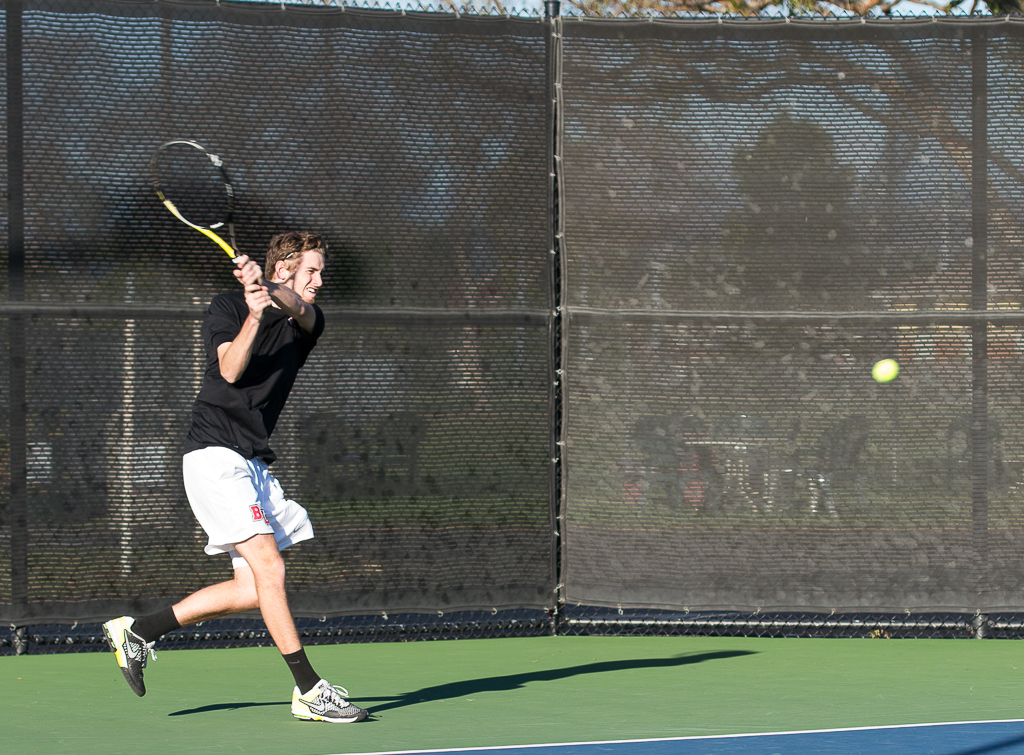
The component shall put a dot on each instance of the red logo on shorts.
(257, 514)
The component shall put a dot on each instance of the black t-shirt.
(242, 416)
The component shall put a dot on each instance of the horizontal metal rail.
(781, 623)
(530, 316)
(916, 318)
(513, 316)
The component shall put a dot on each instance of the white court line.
(499, 748)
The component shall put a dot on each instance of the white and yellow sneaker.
(130, 650)
(326, 702)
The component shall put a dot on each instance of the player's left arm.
(289, 301)
(293, 305)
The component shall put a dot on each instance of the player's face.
(304, 279)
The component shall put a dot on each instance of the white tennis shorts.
(235, 498)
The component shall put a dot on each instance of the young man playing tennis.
(256, 342)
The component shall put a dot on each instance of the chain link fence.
(605, 317)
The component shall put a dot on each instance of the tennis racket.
(194, 186)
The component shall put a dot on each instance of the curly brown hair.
(289, 247)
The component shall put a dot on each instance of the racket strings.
(194, 185)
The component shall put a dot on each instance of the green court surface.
(479, 693)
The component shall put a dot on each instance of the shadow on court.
(224, 706)
(495, 683)
(516, 681)
(1003, 746)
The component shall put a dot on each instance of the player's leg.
(268, 572)
(221, 599)
(132, 639)
(220, 488)
(313, 698)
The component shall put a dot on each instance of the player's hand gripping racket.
(194, 185)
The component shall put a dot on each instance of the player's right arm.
(233, 356)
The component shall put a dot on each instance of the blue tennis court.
(969, 738)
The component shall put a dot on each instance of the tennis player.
(256, 342)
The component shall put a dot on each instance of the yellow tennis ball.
(885, 370)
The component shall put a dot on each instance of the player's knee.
(270, 570)
(261, 553)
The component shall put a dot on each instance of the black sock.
(156, 625)
(305, 677)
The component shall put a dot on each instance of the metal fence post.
(556, 346)
(17, 441)
(19, 640)
(979, 431)
(979, 623)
